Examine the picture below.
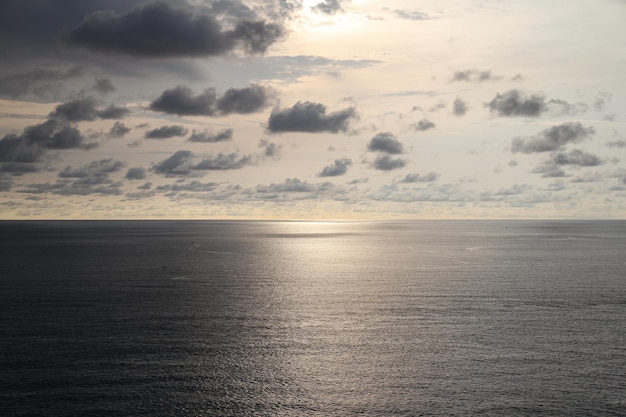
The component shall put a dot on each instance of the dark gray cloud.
(387, 163)
(21, 153)
(85, 109)
(210, 137)
(576, 157)
(385, 142)
(243, 100)
(93, 173)
(415, 178)
(329, 7)
(183, 163)
(5, 185)
(193, 186)
(136, 173)
(166, 132)
(88, 179)
(180, 163)
(411, 14)
(37, 83)
(516, 103)
(81, 109)
(103, 86)
(290, 185)
(113, 112)
(270, 149)
(161, 29)
(310, 117)
(515, 189)
(77, 187)
(336, 168)
(549, 170)
(19, 168)
(553, 138)
(423, 125)
(475, 76)
(459, 107)
(118, 130)
(180, 100)
(223, 162)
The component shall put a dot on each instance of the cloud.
(553, 138)
(270, 149)
(423, 125)
(328, 7)
(166, 132)
(84, 109)
(182, 163)
(475, 76)
(19, 153)
(136, 173)
(180, 100)
(549, 170)
(411, 14)
(118, 130)
(620, 143)
(385, 142)
(563, 107)
(459, 107)
(576, 157)
(337, 168)
(512, 190)
(78, 187)
(88, 179)
(415, 178)
(193, 186)
(601, 99)
(438, 106)
(113, 112)
(310, 117)
(387, 163)
(515, 103)
(243, 100)
(162, 30)
(292, 189)
(37, 83)
(104, 86)
(210, 137)
(222, 162)
(19, 168)
(93, 173)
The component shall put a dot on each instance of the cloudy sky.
(333, 109)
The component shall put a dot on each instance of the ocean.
(254, 318)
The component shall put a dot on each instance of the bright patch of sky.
(312, 109)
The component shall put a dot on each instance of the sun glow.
(314, 20)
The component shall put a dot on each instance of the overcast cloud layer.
(312, 109)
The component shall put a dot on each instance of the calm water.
(300, 319)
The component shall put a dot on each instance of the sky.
(297, 109)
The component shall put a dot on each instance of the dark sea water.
(432, 318)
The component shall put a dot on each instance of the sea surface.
(245, 318)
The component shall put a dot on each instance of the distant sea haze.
(246, 318)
